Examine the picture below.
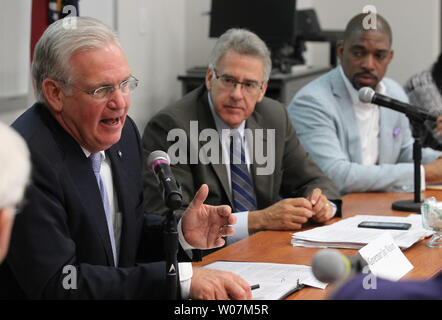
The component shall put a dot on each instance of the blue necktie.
(243, 193)
(96, 165)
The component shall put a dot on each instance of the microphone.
(159, 161)
(367, 95)
(330, 265)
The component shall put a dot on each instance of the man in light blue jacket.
(360, 146)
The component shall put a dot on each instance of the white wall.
(152, 35)
(14, 57)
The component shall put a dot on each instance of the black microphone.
(330, 265)
(367, 95)
(159, 161)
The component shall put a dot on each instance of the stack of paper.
(276, 280)
(346, 234)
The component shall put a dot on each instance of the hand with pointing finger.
(204, 225)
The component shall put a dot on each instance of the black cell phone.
(384, 225)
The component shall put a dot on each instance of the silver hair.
(59, 42)
(244, 42)
(15, 167)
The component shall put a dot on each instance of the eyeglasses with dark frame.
(229, 82)
(103, 93)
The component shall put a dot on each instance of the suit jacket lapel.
(348, 115)
(261, 183)
(85, 183)
(125, 196)
(205, 121)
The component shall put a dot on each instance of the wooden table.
(275, 246)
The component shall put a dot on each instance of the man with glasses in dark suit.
(83, 233)
(281, 193)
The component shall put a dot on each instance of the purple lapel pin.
(397, 131)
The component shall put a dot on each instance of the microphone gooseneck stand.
(173, 202)
(417, 128)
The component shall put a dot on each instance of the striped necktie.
(244, 198)
(96, 166)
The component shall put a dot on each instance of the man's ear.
(209, 76)
(391, 55)
(262, 92)
(53, 93)
(340, 49)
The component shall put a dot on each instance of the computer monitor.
(273, 21)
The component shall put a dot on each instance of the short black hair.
(436, 73)
(356, 24)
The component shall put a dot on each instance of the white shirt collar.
(87, 153)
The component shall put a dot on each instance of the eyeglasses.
(249, 86)
(104, 93)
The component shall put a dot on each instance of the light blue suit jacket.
(324, 117)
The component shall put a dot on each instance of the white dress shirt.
(367, 116)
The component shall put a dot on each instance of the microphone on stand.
(417, 118)
(159, 162)
(368, 95)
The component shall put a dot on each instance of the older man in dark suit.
(211, 133)
(83, 233)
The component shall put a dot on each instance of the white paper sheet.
(276, 280)
(346, 234)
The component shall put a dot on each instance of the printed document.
(276, 280)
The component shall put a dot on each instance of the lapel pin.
(119, 153)
(397, 131)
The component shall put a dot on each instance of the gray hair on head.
(15, 166)
(59, 42)
(244, 42)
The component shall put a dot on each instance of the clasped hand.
(292, 213)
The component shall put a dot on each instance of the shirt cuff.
(186, 272)
(335, 208)
(241, 227)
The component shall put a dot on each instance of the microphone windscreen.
(157, 155)
(366, 94)
(329, 266)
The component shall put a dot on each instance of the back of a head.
(363, 23)
(15, 167)
(243, 42)
(60, 41)
(436, 73)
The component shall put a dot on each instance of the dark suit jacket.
(295, 174)
(64, 221)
